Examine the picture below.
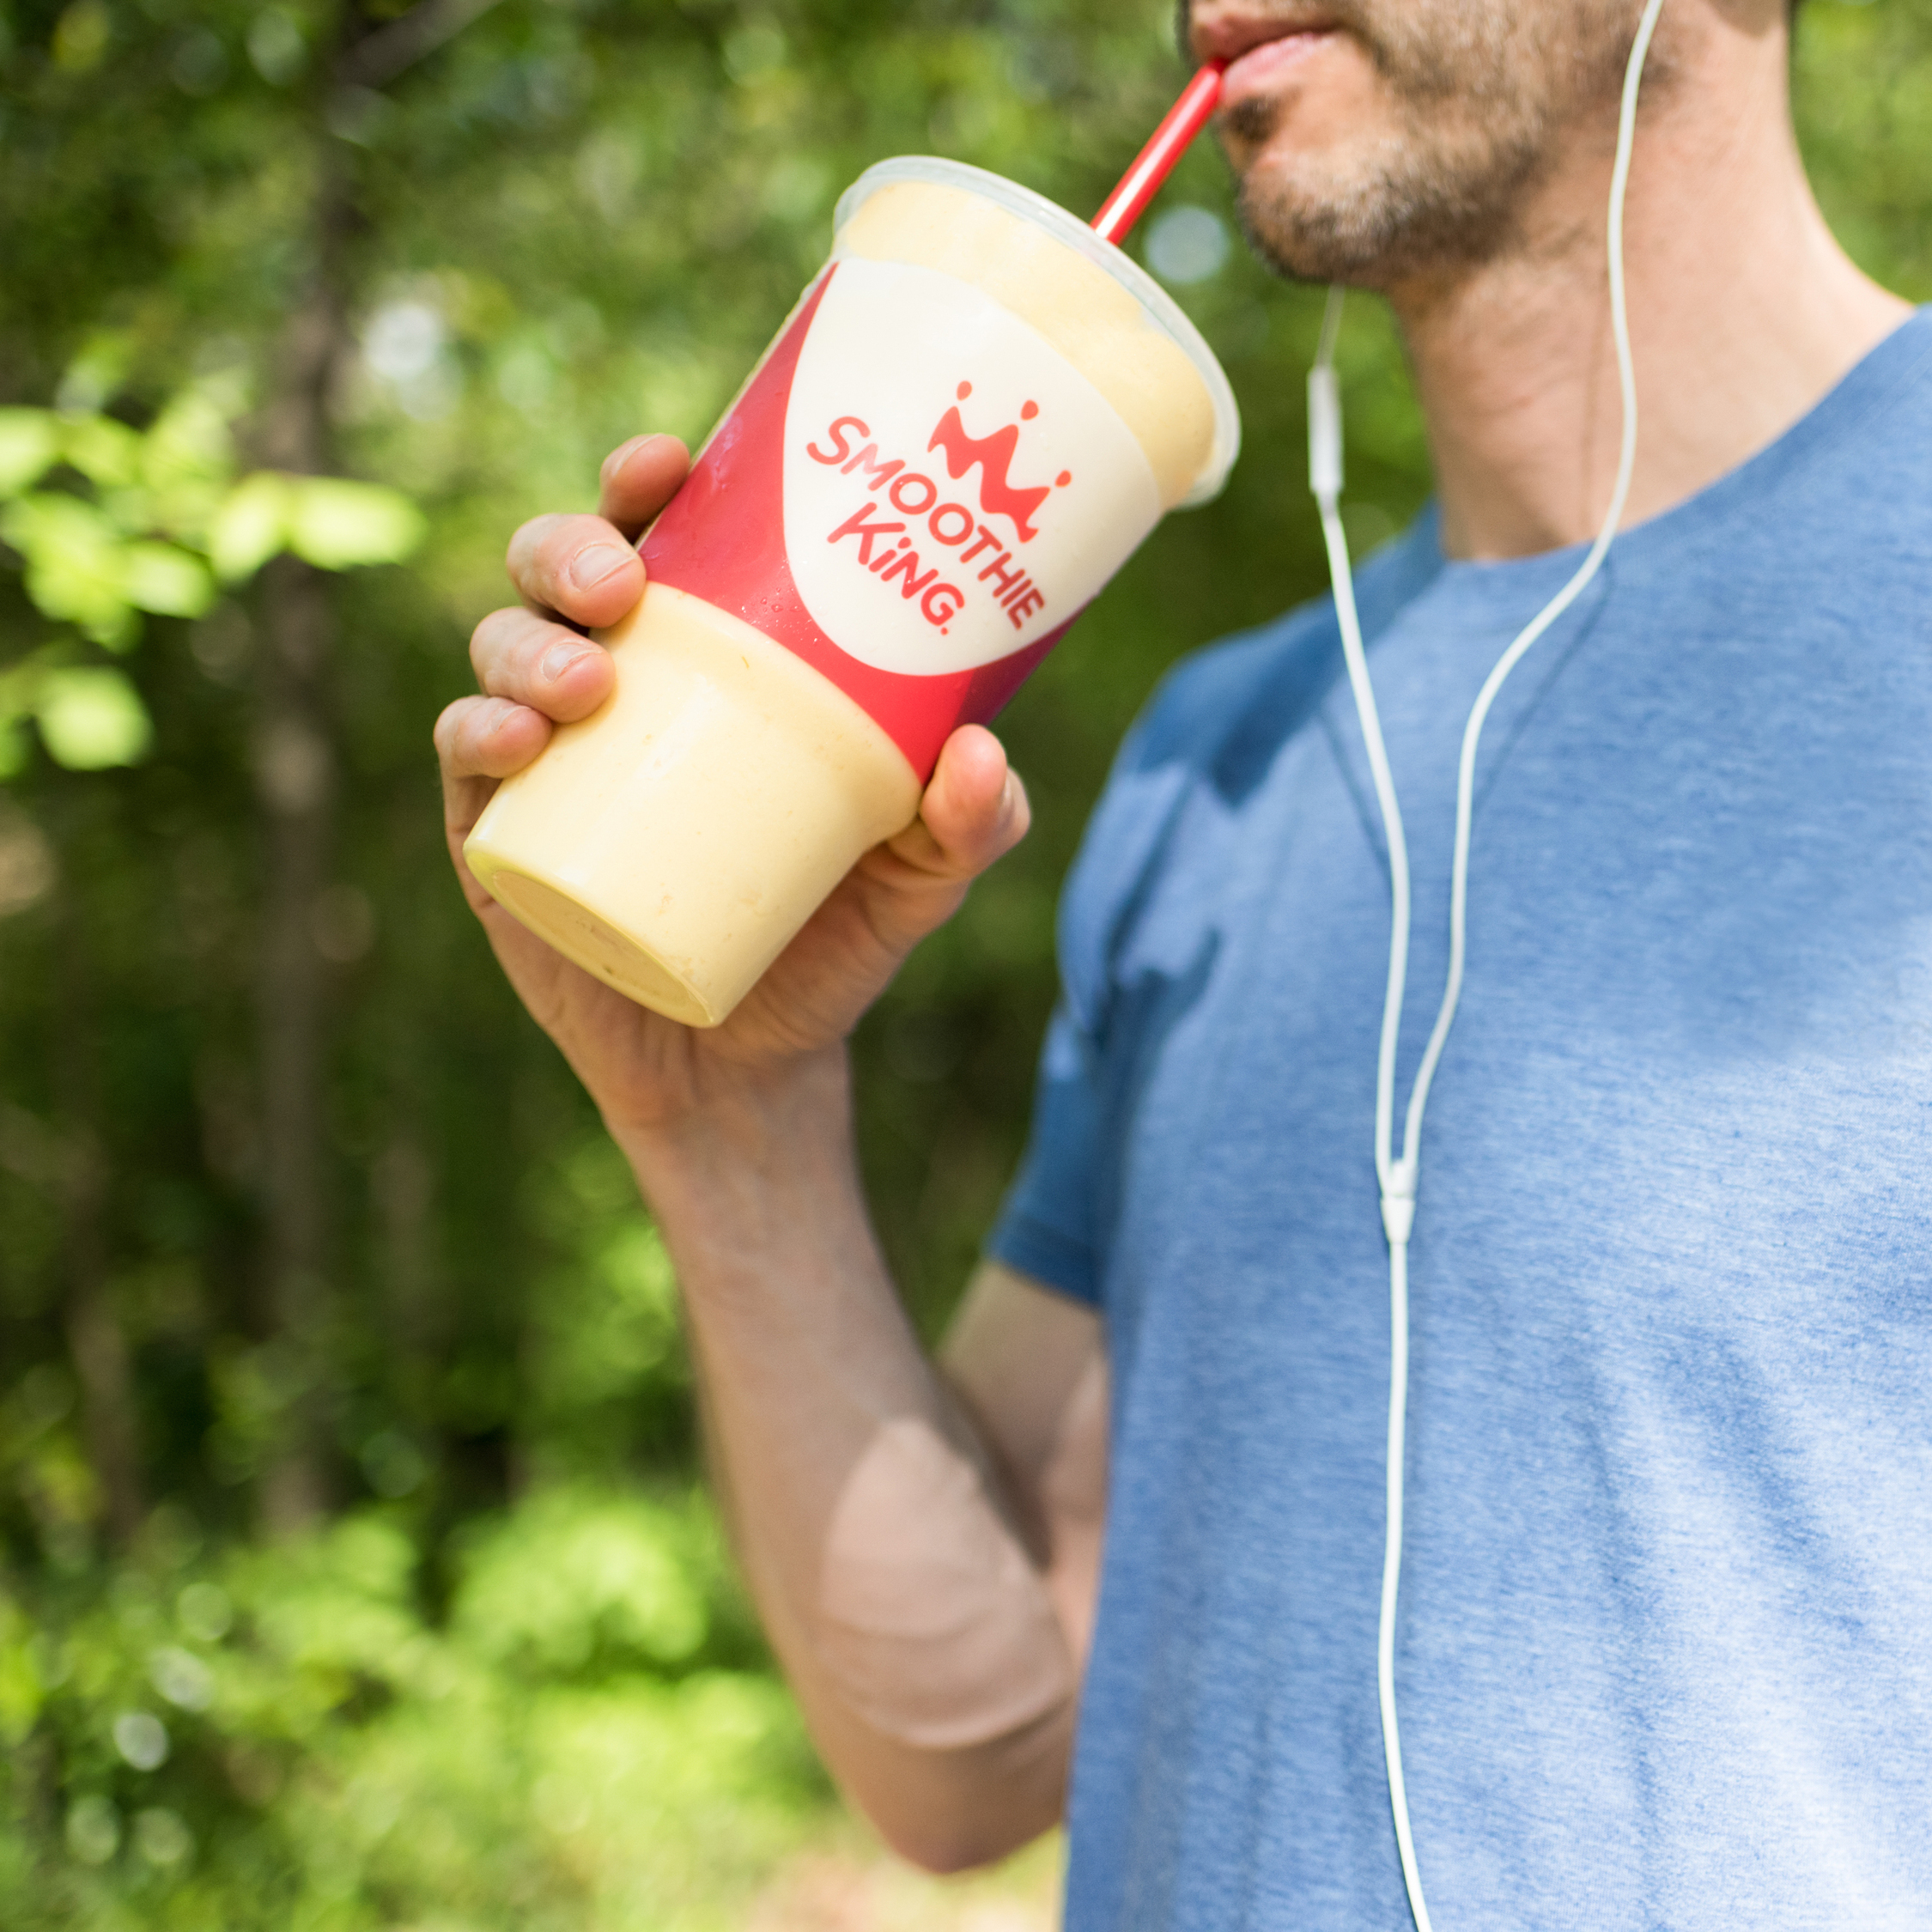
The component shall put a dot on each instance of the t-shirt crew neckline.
(1884, 370)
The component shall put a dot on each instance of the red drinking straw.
(1142, 182)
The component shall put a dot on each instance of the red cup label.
(916, 493)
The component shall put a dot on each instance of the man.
(1664, 1652)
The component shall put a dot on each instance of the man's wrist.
(750, 1128)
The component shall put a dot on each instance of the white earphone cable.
(1398, 1178)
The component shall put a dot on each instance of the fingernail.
(620, 456)
(601, 561)
(559, 659)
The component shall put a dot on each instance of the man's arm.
(921, 1544)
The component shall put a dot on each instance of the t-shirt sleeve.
(1217, 720)
(1053, 1226)
(1046, 1229)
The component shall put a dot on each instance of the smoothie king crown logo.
(916, 494)
(994, 455)
(970, 537)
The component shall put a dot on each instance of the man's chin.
(1378, 216)
(1304, 219)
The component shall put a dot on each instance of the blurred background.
(355, 1567)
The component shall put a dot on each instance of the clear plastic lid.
(1160, 308)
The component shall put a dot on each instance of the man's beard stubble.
(1485, 90)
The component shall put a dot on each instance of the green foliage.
(325, 521)
(89, 718)
(287, 1736)
(583, 1581)
(156, 522)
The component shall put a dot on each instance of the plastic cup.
(974, 416)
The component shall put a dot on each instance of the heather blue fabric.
(1665, 1655)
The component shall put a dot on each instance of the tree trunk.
(295, 767)
(95, 1338)
(296, 789)
(99, 1348)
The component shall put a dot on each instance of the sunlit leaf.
(96, 373)
(74, 563)
(187, 460)
(250, 526)
(131, 510)
(48, 523)
(337, 525)
(28, 442)
(188, 441)
(92, 719)
(159, 577)
(107, 451)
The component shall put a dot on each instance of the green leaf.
(337, 525)
(107, 451)
(159, 577)
(74, 563)
(187, 441)
(250, 526)
(92, 719)
(29, 441)
(187, 463)
(97, 372)
(49, 523)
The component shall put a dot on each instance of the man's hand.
(537, 670)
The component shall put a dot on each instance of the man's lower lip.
(1261, 67)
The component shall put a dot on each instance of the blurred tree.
(161, 525)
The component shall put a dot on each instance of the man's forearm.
(914, 1622)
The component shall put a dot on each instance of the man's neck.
(1744, 312)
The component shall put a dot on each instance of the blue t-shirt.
(1665, 1651)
